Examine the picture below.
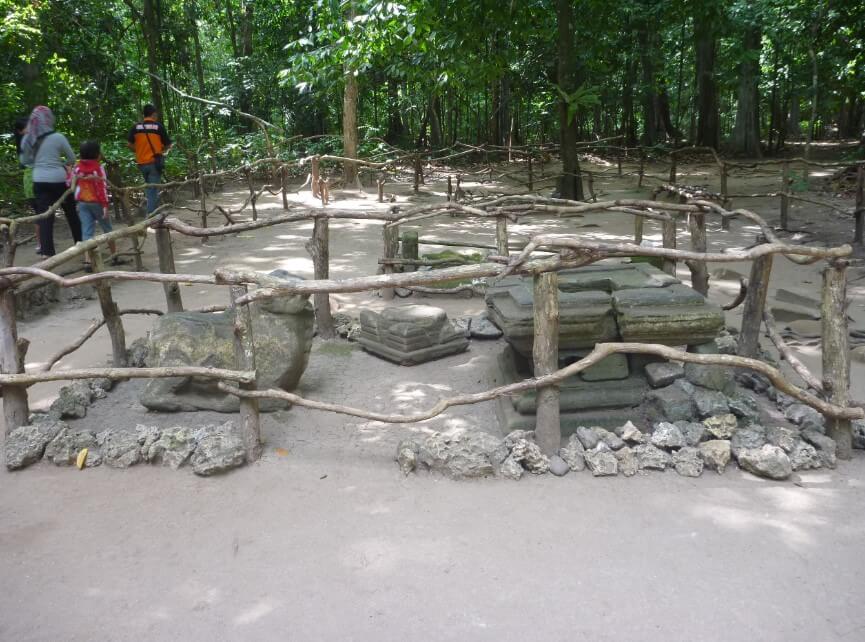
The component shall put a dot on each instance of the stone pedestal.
(409, 334)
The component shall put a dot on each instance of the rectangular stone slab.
(413, 357)
(612, 278)
(673, 315)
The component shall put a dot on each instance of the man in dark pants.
(150, 142)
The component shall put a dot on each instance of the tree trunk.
(349, 126)
(192, 16)
(570, 183)
(794, 119)
(395, 127)
(705, 42)
(434, 121)
(746, 135)
(150, 30)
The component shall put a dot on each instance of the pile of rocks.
(74, 399)
(210, 449)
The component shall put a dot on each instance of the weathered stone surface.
(672, 315)
(461, 454)
(784, 438)
(530, 456)
(407, 455)
(710, 402)
(25, 445)
(218, 449)
(573, 453)
(558, 466)
(511, 468)
(410, 334)
(692, 431)
(173, 447)
(346, 326)
(64, 448)
(147, 436)
(805, 417)
(602, 462)
(672, 403)
(753, 381)
(611, 368)
(781, 399)
(72, 402)
(630, 433)
(721, 426)
(859, 434)
(136, 354)
(588, 437)
(726, 343)
(745, 407)
(610, 438)
(687, 462)
(667, 435)
(715, 454)
(282, 332)
(708, 376)
(804, 456)
(825, 447)
(748, 438)
(482, 328)
(119, 449)
(664, 373)
(651, 457)
(766, 461)
(627, 461)
(100, 387)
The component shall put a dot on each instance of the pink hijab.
(41, 122)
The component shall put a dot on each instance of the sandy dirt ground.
(324, 538)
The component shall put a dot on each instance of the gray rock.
(651, 457)
(282, 330)
(407, 455)
(346, 326)
(708, 376)
(72, 401)
(667, 435)
(463, 324)
(64, 448)
(558, 466)
(692, 431)
(482, 328)
(219, 449)
(721, 426)
(610, 438)
(710, 402)
(664, 373)
(804, 456)
(805, 417)
(136, 354)
(825, 447)
(630, 433)
(747, 438)
(687, 462)
(726, 343)
(715, 454)
(782, 400)
(784, 438)
(530, 456)
(766, 461)
(25, 445)
(573, 454)
(588, 437)
(627, 460)
(410, 334)
(755, 381)
(173, 447)
(119, 449)
(147, 436)
(602, 462)
(744, 406)
(859, 434)
(672, 403)
(461, 454)
(100, 387)
(511, 469)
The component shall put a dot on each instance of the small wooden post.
(410, 249)
(545, 355)
(283, 174)
(203, 205)
(252, 198)
(196, 187)
(642, 167)
(324, 190)
(673, 167)
(390, 236)
(16, 409)
(785, 198)
(110, 313)
(380, 190)
(531, 184)
(165, 252)
(860, 205)
(724, 184)
(315, 165)
(668, 235)
(639, 222)
(591, 182)
(502, 235)
(319, 248)
(417, 173)
(755, 303)
(450, 189)
(244, 355)
(836, 352)
(699, 270)
(619, 163)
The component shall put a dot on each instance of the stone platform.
(409, 334)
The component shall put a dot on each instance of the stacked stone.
(409, 334)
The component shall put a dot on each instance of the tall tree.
(706, 18)
(570, 183)
(746, 134)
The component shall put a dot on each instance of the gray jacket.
(48, 165)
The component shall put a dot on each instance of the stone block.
(410, 334)
(663, 373)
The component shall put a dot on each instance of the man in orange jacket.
(150, 142)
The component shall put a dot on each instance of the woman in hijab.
(45, 150)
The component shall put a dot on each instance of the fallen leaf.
(81, 459)
(282, 452)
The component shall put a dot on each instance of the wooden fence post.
(639, 222)
(16, 409)
(836, 353)
(244, 355)
(410, 249)
(319, 248)
(642, 167)
(619, 163)
(755, 303)
(252, 198)
(283, 172)
(531, 184)
(450, 189)
(724, 191)
(380, 190)
(673, 167)
(699, 270)
(502, 235)
(591, 181)
(545, 355)
(203, 205)
(315, 175)
(110, 313)
(417, 173)
(785, 198)
(165, 252)
(668, 235)
(390, 236)
(860, 205)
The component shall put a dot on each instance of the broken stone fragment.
(218, 449)
(804, 456)
(530, 456)
(825, 447)
(573, 454)
(558, 466)
(664, 373)
(805, 417)
(710, 402)
(767, 461)
(749, 437)
(460, 454)
(64, 448)
(627, 461)
(588, 437)
(72, 401)
(26, 444)
(687, 462)
(744, 406)
(784, 438)
(667, 435)
(610, 438)
(407, 455)
(721, 426)
(651, 457)
(119, 449)
(673, 403)
(692, 431)
(715, 454)
(630, 433)
(511, 468)
(602, 462)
